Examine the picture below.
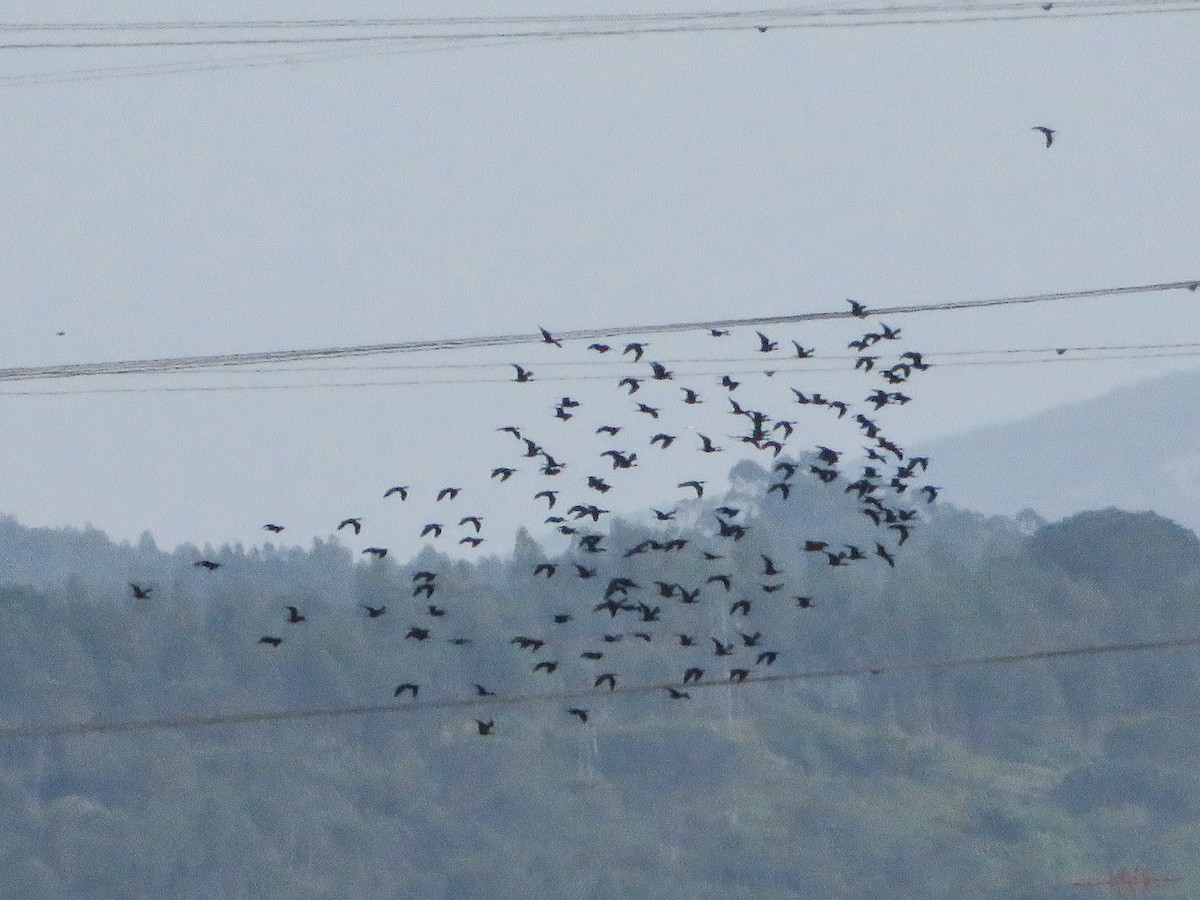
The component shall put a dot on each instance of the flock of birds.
(619, 607)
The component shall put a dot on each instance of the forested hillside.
(990, 780)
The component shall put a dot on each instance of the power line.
(192, 363)
(381, 45)
(452, 29)
(271, 717)
(791, 367)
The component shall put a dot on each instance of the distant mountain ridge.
(1136, 448)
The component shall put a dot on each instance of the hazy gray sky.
(561, 183)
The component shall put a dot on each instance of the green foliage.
(964, 782)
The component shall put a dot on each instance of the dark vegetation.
(995, 781)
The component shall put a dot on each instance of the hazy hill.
(1136, 448)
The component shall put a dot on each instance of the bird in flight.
(1048, 132)
(407, 686)
(448, 492)
(273, 528)
(270, 641)
(698, 486)
(139, 592)
(294, 615)
(401, 489)
(374, 612)
(356, 524)
(548, 338)
(208, 564)
(377, 552)
(503, 473)
(636, 349)
(485, 727)
(579, 713)
(523, 374)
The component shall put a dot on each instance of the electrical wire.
(832, 17)
(792, 367)
(270, 717)
(193, 363)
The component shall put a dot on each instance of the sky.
(567, 184)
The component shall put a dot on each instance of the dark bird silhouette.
(630, 382)
(750, 640)
(698, 486)
(481, 691)
(511, 429)
(1047, 132)
(551, 497)
(531, 449)
(804, 602)
(676, 694)
(459, 641)
(592, 655)
(486, 727)
(356, 524)
(548, 568)
(591, 542)
(694, 673)
(690, 397)
(665, 439)
(738, 675)
(720, 579)
(598, 484)
(474, 521)
(448, 493)
(374, 612)
(270, 641)
(139, 592)
(546, 666)
(562, 618)
(801, 353)
(377, 552)
(716, 332)
(767, 657)
(706, 444)
(560, 413)
(769, 566)
(426, 589)
(609, 678)
(579, 713)
(612, 607)
(727, 382)
(424, 576)
(273, 528)
(584, 571)
(208, 564)
(523, 374)
(648, 410)
(742, 605)
(766, 345)
(686, 596)
(608, 429)
(762, 29)
(407, 686)
(528, 643)
(730, 529)
(857, 309)
(436, 611)
(548, 338)
(621, 460)
(782, 486)
(580, 511)
(636, 349)
(882, 552)
(433, 527)
(417, 634)
(599, 348)
(686, 641)
(660, 372)
(930, 491)
(401, 489)
(723, 649)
